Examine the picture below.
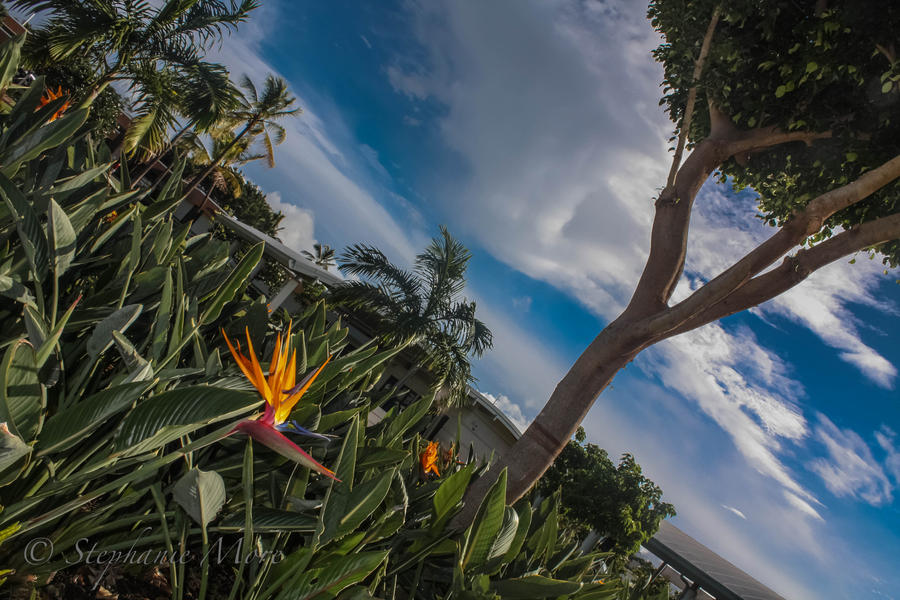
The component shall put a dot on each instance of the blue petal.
(293, 427)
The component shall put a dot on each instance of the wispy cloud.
(735, 511)
(509, 408)
(886, 438)
(321, 163)
(850, 469)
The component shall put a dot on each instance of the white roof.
(291, 259)
(495, 411)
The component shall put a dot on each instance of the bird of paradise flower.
(281, 393)
(429, 458)
(49, 96)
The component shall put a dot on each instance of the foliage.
(155, 49)
(322, 255)
(617, 501)
(797, 66)
(421, 307)
(74, 76)
(250, 206)
(120, 404)
(258, 114)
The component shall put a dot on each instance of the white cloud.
(735, 511)
(320, 164)
(850, 470)
(413, 86)
(803, 506)
(522, 303)
(886, 438)
(519, 363)
(509, 408)
(702, 366)
(297, 229)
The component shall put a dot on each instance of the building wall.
(476, 427)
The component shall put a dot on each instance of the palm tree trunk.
(101, 85)
(212, 167)
(155, 160)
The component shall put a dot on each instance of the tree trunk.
(101, 85)
(212, 167)
(548, 434)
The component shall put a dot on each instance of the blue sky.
(532, 130)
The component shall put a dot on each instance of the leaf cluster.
(618, 501)
(794, 65)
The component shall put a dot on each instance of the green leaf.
(887, 86)
(12, 448)
(72, 425)
(14, 290)
(811, 66)
(48, 343)
(31, 234)
(10, 52)
(851, 156)
(780, 91)
(137, 365)
(451, 492)
(406, 418)
(336, 499)
(515, 547)
(363, 501)
(372, 457)
(113, 228)
(167, 416)
(534, 586)
(62, 238)
(235, 281)
(269, 520)
(78, 181)
(22, 398)
(121, 320)
(201, 494)
(36, 141)
(506, 535)
(336, 574)
(488, 521)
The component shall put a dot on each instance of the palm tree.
(323, 257)
(258, 114)
(126, 37)
(195, 100)
(420, 308)
(224, 176)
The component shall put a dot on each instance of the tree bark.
(550, 431)
(649, 319)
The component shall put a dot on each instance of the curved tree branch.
(802, 225)
(692, 97)
(795, 269)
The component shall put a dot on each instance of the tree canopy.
(827, 71)
(797, 99)
(617, 501)
(423, 308)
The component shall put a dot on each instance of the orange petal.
(258, 379)
(273, 364)
(288, 403)
(238, 357)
